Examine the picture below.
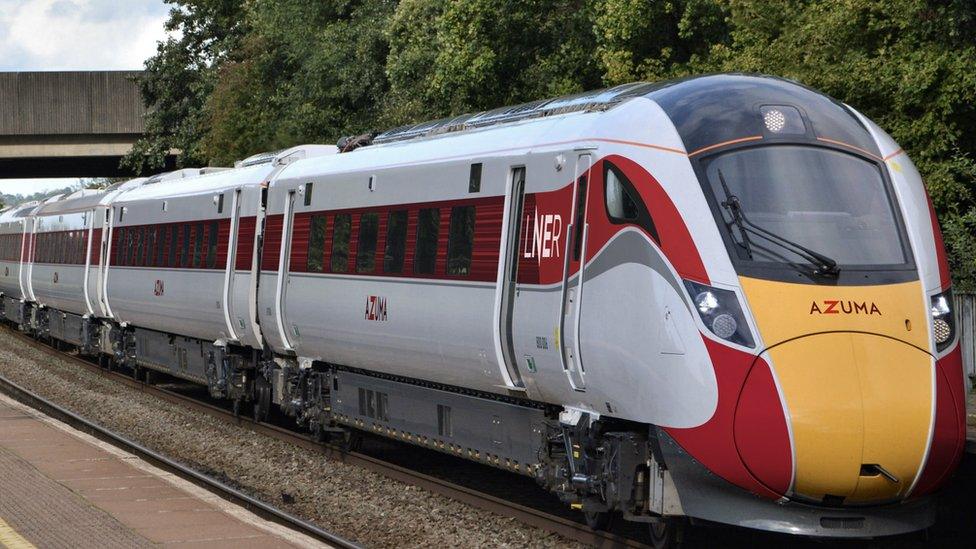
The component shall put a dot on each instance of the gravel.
(350, 501)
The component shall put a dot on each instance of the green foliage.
(246, 76)
(180, 77)
(15, 199)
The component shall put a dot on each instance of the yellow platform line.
(10, 539)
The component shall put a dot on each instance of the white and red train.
(723, 298)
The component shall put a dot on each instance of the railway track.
(523, 513)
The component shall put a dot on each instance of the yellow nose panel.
(858, 393)
(855, 400)
(785, 311)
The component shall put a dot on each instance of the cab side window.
(623, 203)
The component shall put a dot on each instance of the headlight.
(721, 313)
(943, 321)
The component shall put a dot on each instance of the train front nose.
(860, 408)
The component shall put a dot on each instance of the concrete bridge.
(68, 124)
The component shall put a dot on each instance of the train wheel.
(262, 399)
(352, 441)
(598, 520)
(666, 534)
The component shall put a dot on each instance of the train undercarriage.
(603, 467)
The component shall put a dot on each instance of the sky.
(47, 35)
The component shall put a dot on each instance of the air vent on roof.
(255, 159)
(178, 174)
(286, 156)
(587, 101)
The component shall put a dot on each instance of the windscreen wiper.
(825, 266)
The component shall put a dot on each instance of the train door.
(572, 285)
(27, 267)
(89, 220)
(507, 292)
(25, 249)
(229, 278)
(108, 236)
(281, 287)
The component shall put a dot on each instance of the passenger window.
(174, 243)
(198, 236)
(340, 243)
(460, 240)
(366, 249)
(579, 219)
(316, 244)
(428, 225)
(621, 206)
(185, 250)
(396, 242)
(212, 245)
(137, 258)
(120, 247)
(150, 245)
(161, 242)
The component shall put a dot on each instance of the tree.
(306, 72)
(257, 75)
(181, 76)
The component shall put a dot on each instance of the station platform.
(60, 487)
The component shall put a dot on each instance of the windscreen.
(828, 201)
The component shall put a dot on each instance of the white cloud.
(28, 187)
(79, 34)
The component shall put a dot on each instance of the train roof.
(705, 110)
(587, 101)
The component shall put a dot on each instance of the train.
(723, 298)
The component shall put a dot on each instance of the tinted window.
(125, 246)
(174, 243)
(460, 240)
(198, 237)
(150, 245)
(162, 240)
(185, 249)
(140, 236)
(366, 249)
(474, 178)
(834, 203)
(340, 243)
(621, 206)
(120, 247)
(428, 225)
(579, 219)
(212, 245)
(316, 244)
(396, 242)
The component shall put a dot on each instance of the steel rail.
(524, 514)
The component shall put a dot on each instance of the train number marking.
(836, 307)
(375, 308)
(545, 234)
(159, 289)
